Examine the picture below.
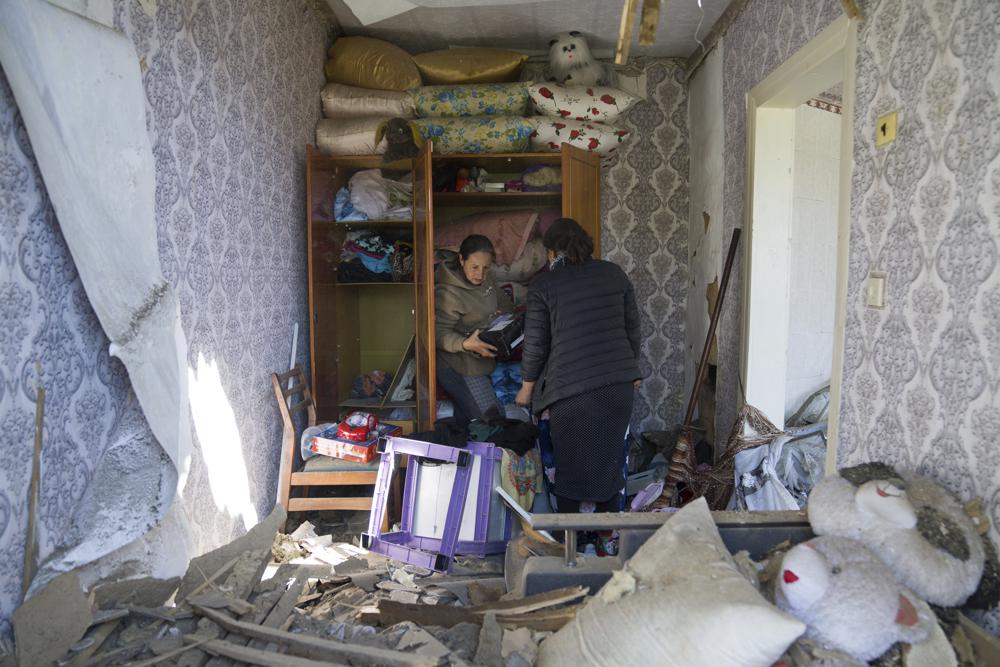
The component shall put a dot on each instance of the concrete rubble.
(299, 599)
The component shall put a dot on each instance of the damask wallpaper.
(644, 229)
(922, 376)
(644, 209)
(762, 37)
(232, 90)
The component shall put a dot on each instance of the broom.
(682, 461)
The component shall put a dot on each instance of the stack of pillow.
(465, 100)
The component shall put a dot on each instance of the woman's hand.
(523, 397)
(475, 344)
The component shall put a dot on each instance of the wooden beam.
(355, 478)
(308, 504)
(253, 656)
(625, 32)
(647, 24)
(851, 9)
(319, 648)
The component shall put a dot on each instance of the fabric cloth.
(506, 379)
(588, 435)
(581, 331)
(509, 230)
(521, 476)
(460, 308)
(572, 505)
(472, 395)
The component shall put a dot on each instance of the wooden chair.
(319, 471)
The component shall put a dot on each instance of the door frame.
(828, 58)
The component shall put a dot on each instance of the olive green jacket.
(459, 309)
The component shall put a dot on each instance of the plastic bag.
(758, 486)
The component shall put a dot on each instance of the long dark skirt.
(588, 439)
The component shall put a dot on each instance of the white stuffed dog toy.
(848, 599)
(571, 63)
(919, 530)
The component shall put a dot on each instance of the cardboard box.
(327, 444)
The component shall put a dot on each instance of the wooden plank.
(31, 539)
(390, 613)
(533, 602)
(647, 24)
(97, 637)
(625, 32)
(333, 478)
(315, 647)
(254, 656)
(423, 278)
(294, 389)
(170, 654)
(215, 575)
(308, 504)
(581, 191)
(282, 610)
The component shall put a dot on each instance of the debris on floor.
(299, 599)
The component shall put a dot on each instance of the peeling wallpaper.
(922, 376)
(232, 92)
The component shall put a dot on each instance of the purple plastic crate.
(437, 520)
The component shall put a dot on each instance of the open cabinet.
(357, 327)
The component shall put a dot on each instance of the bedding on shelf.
(509, 231)
(480, 99)
(340, 101)
(477, 134)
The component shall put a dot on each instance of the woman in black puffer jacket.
(581, 363)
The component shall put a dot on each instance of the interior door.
(423, 278)
(581, 191)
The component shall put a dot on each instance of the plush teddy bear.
(571, 63)
(848, 599)
(919, 530)
(402, 139)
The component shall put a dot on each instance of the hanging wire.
(698, 29)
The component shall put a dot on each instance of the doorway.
(799, 134)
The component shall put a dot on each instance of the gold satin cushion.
(371, 63)
(470, 66)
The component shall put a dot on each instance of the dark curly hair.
(476, 243)
(567, 237)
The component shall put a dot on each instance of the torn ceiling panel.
(522, 25)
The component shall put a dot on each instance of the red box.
(359, 452)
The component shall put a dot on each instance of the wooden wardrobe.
(358, 327)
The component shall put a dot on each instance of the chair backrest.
(302, 400)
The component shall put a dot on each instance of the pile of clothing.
(371, 196)
(368, 256)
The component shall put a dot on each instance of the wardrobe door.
(423, 278)
(581, 191)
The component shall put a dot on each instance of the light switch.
(876, 289)
(885, 129)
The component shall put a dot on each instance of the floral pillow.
(592, 136)
(580, 102)
(477, 134)
(474, 99)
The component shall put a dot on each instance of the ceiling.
(523, 25)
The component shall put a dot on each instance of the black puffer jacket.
(581, 331)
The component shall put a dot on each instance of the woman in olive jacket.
(581, 363)
(466, 299)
